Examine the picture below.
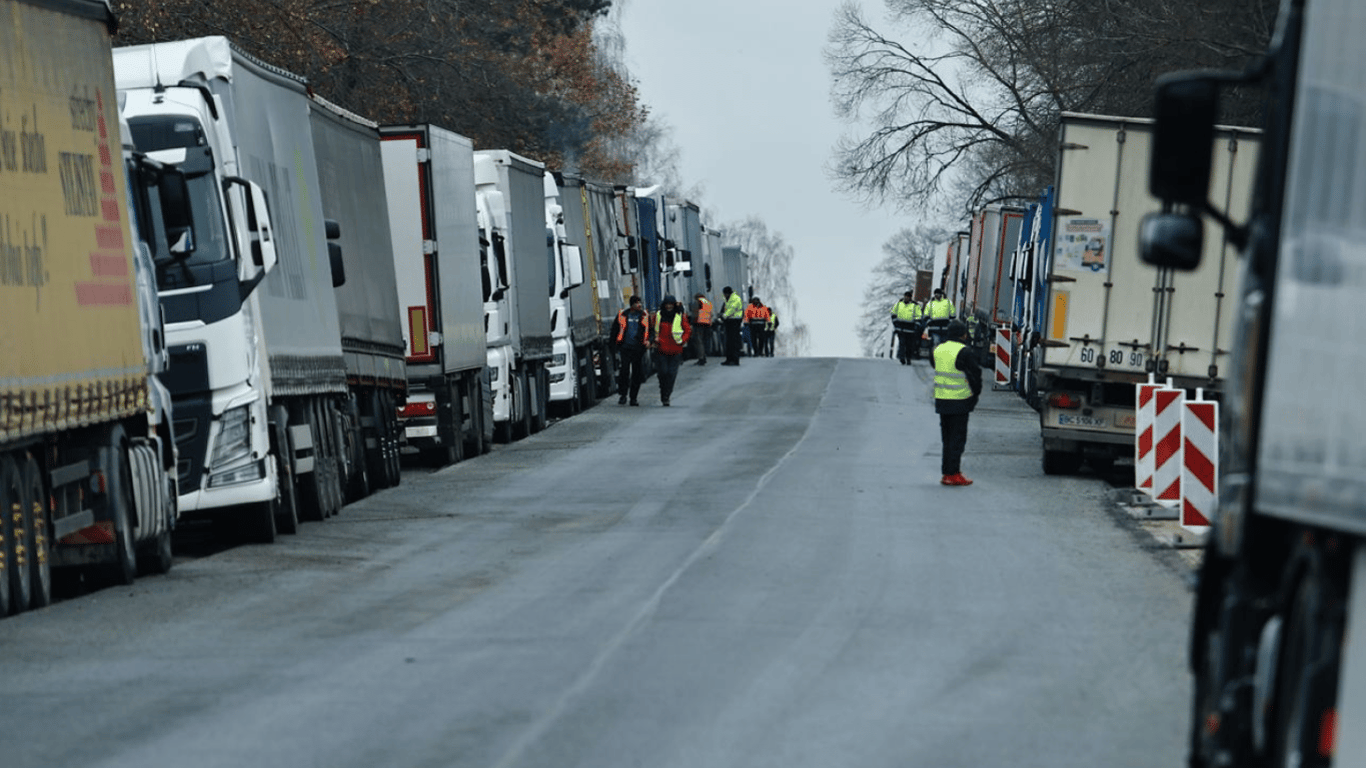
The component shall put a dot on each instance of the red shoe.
(947, 480)
(958, 479)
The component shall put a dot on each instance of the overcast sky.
(747, 92)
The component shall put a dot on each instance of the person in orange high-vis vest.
(756, 317)
(701, 332)
(632, 338)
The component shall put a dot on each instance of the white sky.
(745, 87)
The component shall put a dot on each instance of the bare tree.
(968, 107)
(905, 253)
(770, 264)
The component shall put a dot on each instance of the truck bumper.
(561, 370)
(500, 370)
(209, 499)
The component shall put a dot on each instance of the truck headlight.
(246, 473)
(559, 360)
(234, 437)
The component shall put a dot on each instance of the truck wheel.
(313, 500)
(540, 393)
(521, 401)
(287, 502)
(124, 569)
(353, 439)
(474, 405)
(40, 553)
(1061, 462)
(1306, 676)
(394, 433)
(9, 504)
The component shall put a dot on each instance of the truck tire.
(540, 391)
(20, 536)
(1305, 677)
(287, 500)
(473, 393)
(39, 526)
(521, 401)
(358, 479)
(9, 503)
(314, 499)
(1061, 462)
(124, 567)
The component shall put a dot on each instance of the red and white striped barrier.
(1143, 435)
(1166, 489)
(1200, 464)
(1003, 357)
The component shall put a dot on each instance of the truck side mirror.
(1174, 240)
(334, 252)
(573, 267)
(259, 228)
(1185, 111)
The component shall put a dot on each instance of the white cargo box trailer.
(429, 185)
(1111, 320)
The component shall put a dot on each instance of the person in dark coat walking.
(632, 338)
(671, 332)
(957, 385)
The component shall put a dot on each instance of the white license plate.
(1068, 420)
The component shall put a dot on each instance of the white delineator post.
(1200, 463)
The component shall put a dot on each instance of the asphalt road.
(767, 573)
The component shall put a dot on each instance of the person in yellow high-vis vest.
(957, 385)
(906, 325)
(732, 314)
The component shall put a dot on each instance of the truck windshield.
(159, 132)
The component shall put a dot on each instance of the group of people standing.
(669, 331)
(957, 373)
(911, 319)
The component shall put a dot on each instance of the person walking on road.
(939, 311)
(701, 327)
(906, 322)
(632, 339)
(671, 332)
(756, 317)
(957, 385)
(732, 314)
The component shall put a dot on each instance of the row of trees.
(958, 103)
(525, 75)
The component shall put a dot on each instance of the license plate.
(1126, 420)
(1068, 420)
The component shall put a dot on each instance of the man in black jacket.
(957, 385)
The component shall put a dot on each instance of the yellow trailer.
(79, 418)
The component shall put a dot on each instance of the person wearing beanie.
(671, 332)
(632, 338)
(957, 385)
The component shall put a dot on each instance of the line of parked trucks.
(227, 297)
(1110, 277)
(1087, 319)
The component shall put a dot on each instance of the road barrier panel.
(1003, 367)
(1167, 447)
(1200, 463)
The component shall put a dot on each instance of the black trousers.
(953, 430)
(733, 340)
(632, 373)
(666, 370)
